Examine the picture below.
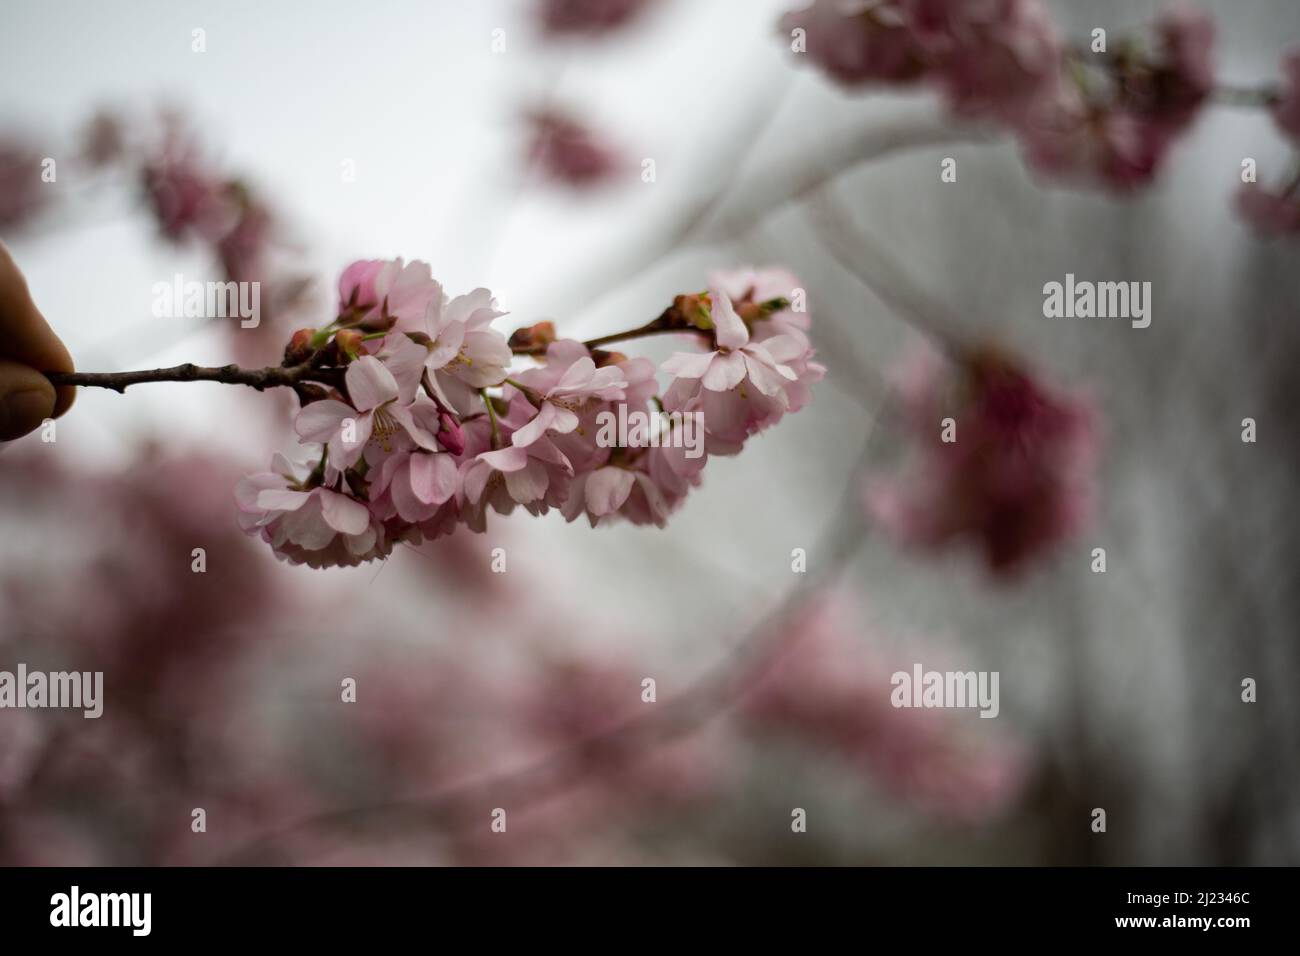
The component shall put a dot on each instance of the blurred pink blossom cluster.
(567, 151)
(588, 18)
(1276, 210)
(1105, 118)
(190, 200)
(186, 724)
(1001, 462)
(112, 588)
(22, 194)
(409, 443)
(825, 685)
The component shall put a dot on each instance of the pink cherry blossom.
(380, 409)
(466, 354)
(388, 289)
(616, 491)
(357, 285)
(583, 446)
(673, 471)
(510, 476)
(498, 475)
(750, 289)
(413, 484)
(313, 526)
(564, 389)
(860, 41)
(751, 292)
(741, 386)
(1016, 482)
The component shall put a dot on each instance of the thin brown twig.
(273, 376)
(298, 376)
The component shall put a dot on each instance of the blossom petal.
(654, 498)
(726, 372)
(447, 345)
(474, 479)
(347, 447)
(433, 478)
(406, 361)
(359, 544)
(534, 430)
(403, 415)
(282, 499)
(728, 328)
(321, 421)
(342, 513)
(784, 348)
(529, 483)
(405, 500)
(370, 384)
(766, 378)
(725, 414)
(506, 459)
(607, 489)
(688, 364)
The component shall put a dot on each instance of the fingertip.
(26, 400)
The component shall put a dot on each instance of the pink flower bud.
(300, 348)
(603, 358)
(349, 342)
(534, 338)
(450, 436)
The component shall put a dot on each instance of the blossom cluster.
(588, 18)
(1102, 119)
(1015, 475)
(1276, 210)
(423, 425)
(823, 685)
(568, 152)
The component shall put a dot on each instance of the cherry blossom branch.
(671, 320)
(259, 378)
(652, 328)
